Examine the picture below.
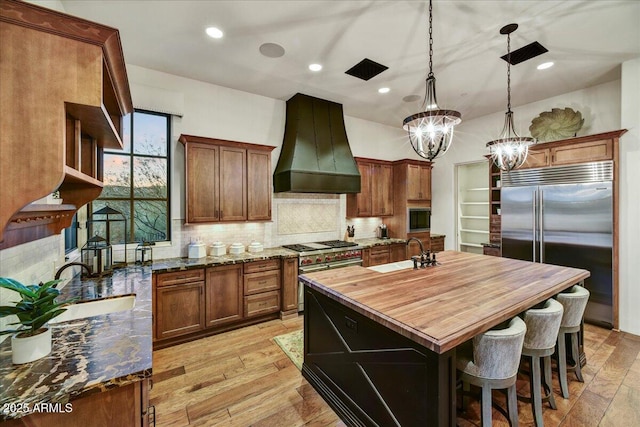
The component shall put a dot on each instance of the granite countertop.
(177, 264)
(375, 241)
(88, 355)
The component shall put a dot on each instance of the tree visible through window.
(136, 180)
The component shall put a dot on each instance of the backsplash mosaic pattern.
(301, 218)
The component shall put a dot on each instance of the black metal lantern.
(112, 224)
(97, 254)
(144, 253)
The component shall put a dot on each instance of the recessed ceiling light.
(545, 65)
(384, 90)
(315, 67)
(214, 33)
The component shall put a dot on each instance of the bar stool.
(491, 362)
(543, 326)
(574, 302)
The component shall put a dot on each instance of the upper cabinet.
(584, 149)
(64, 91)
(226, 180)
(376, 190)
(412, 180)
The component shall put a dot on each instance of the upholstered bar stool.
(491, 362)
(543, 325)
(574, 302)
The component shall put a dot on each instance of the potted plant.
(32, 340)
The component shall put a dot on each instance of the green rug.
(292, 345)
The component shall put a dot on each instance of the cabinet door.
(582, 153)
(437, 244)
(179, 309)
(379, 255)
(258, 185)
(290, 284)
(382, 190)
(223, 294)
(418, 182)
(413, 248)
(233, 184)
(536, 159)
(363, 198)
(397, 252)
(202, 196)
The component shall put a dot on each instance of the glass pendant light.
(431, 131)
(510, 150)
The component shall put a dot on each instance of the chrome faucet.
(70, 264)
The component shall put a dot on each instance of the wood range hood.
(316, 156)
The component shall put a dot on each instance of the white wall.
(629, 243)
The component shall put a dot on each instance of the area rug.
(292, 345)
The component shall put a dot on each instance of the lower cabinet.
(413, 248)
(384, 254)
(223, 294)
(289, 286)
(261, 287)
(179, 303)
(120, 406)
(437, 244)
(193, 303)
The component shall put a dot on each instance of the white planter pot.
(28, 349)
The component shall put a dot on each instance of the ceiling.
(587, 40)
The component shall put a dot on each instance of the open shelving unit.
(473, 207)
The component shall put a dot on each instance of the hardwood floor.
(242, 378)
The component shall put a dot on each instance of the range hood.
(315, 156)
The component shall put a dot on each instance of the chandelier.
(510, 150)
(431, 131)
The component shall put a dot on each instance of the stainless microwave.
(418, 220)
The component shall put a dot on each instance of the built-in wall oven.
(418, 220)
(324, 256)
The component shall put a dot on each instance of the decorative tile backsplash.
(300, 218)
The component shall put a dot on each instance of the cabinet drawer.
(488, 250)
(437, 244)
(263, 303)
(258, 266)
(260, 282)
(494, 227)
(379, 258)
(378, 250)
(179, 277)
(580, 153)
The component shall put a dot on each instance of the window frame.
(132, 199)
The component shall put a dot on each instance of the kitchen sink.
(394, 266)
(81, 310)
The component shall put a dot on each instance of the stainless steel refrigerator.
(564, 215)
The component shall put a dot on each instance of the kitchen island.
(380, 347)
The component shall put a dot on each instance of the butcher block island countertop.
(380, 347)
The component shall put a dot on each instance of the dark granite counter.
(374, 241)
(88, 355)
(176, 264)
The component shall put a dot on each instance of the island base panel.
(371, 375)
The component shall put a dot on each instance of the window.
(71, 236)
(136, 179)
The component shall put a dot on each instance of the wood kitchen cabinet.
(289, 287)
(126, 405)
(436, 243)
(226, 181)
(413, 248)
(384, 254)
(584, 149)
(418, 182)
(179, 303)
(62, 103)
(376, 190)
(223, 294)
(261, 287)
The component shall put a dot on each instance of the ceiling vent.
(366, 69)
(525, 53)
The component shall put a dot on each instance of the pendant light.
(510, 150)
(431, 131)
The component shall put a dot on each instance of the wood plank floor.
(242, 378)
